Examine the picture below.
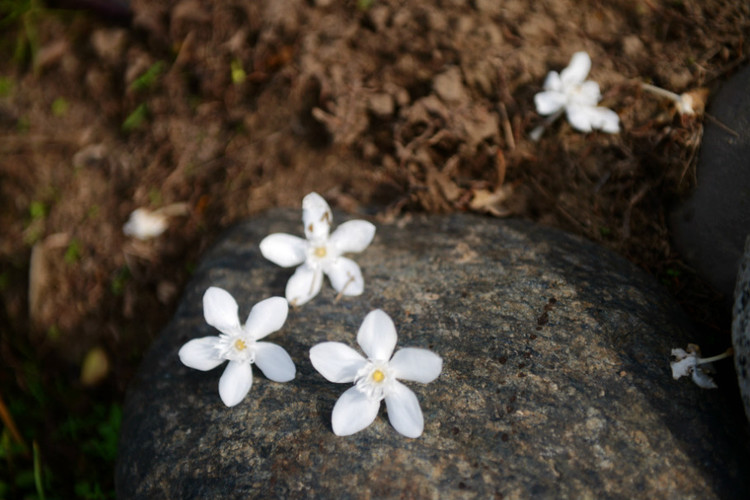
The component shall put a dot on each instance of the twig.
(10, 424)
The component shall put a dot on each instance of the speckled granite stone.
(556, 380)
(741, 328)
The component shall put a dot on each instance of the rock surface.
(710, 228)
(556, 380)
(741, 328)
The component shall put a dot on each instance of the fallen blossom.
(569, 91)
(320, 253)
(688, 362)
(239, 344)
(376, 377)
(690, 103)
(145, 224)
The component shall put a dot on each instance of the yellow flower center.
(240, 345)
(320, 252)
(378, 376)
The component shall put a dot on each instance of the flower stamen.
(320, 252)
(240, 345)
(378, 376)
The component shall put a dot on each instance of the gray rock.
(741, 328)
(711, 226)
(556, 380)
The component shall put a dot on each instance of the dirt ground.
(385, 107)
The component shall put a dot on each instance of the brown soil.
(382, 106)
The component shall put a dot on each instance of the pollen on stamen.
(320, 252)
(378, 376)
(240, 345)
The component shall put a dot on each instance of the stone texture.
(741, 328)
(556, 380)
(711, 226)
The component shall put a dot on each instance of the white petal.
(283, 249)
(588, 94)
(345, 276)
(201, 354)
(144, 224)
(235, 382)
(552, 82)
(352, 236)
(579, 117)
(606, 120)
(274, 362)
(304, 284)
(266, 317)
(419, 365)
(549, 102)
(682, 367)
(404, 411)
(703, 380)
(577, 70)
(377, 335)
(316, 214)
(337, 362)
(220, 310)
(353, 412)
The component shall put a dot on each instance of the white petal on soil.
(577, 70)
(304, 284)
(346, 277)
(579, 117)
(377, 335)
(235, 382)
(284, 249)
(337, 362)
(549, 102)
(404, 411)
(352, 236)
(144, 224)
(588, 94)
(606, 120)
(201, 354)
(353, 412)
(220, 310)
(274, 362)
(317, 217)
(266, 317)
(552, 82)
(419, 365)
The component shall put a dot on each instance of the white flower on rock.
(321, 253)
(688, 362)
(376, 377)
(239, 344)
(569, 91)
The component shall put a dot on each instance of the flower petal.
(353, 412)
(579, 117)
(552, 82)
(577, 70)
(702, 379)
(549, 102)
(588, 94)
(220, 310)
(337, 362)
(283, 249)
(266, 317)
(316, 214)
(377, 335)
(235, 382)
(345, 276)
(404, 411)
(352, 236)
(605, 119)
(304, 284)
(274, 362)
(201, 354)
(419, 365)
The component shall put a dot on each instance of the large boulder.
(556, 380)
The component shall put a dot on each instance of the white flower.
(239, 344)
(688, 363)
(319, 253)
(144, 224)
(376, 378)
(578, 97)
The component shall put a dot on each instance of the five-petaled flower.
(320, 253)
(375, 378)
(239, 344)
(570, 91)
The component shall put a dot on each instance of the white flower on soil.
(321, 253)
(376, 377)
(239, 344)
(569, 91)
